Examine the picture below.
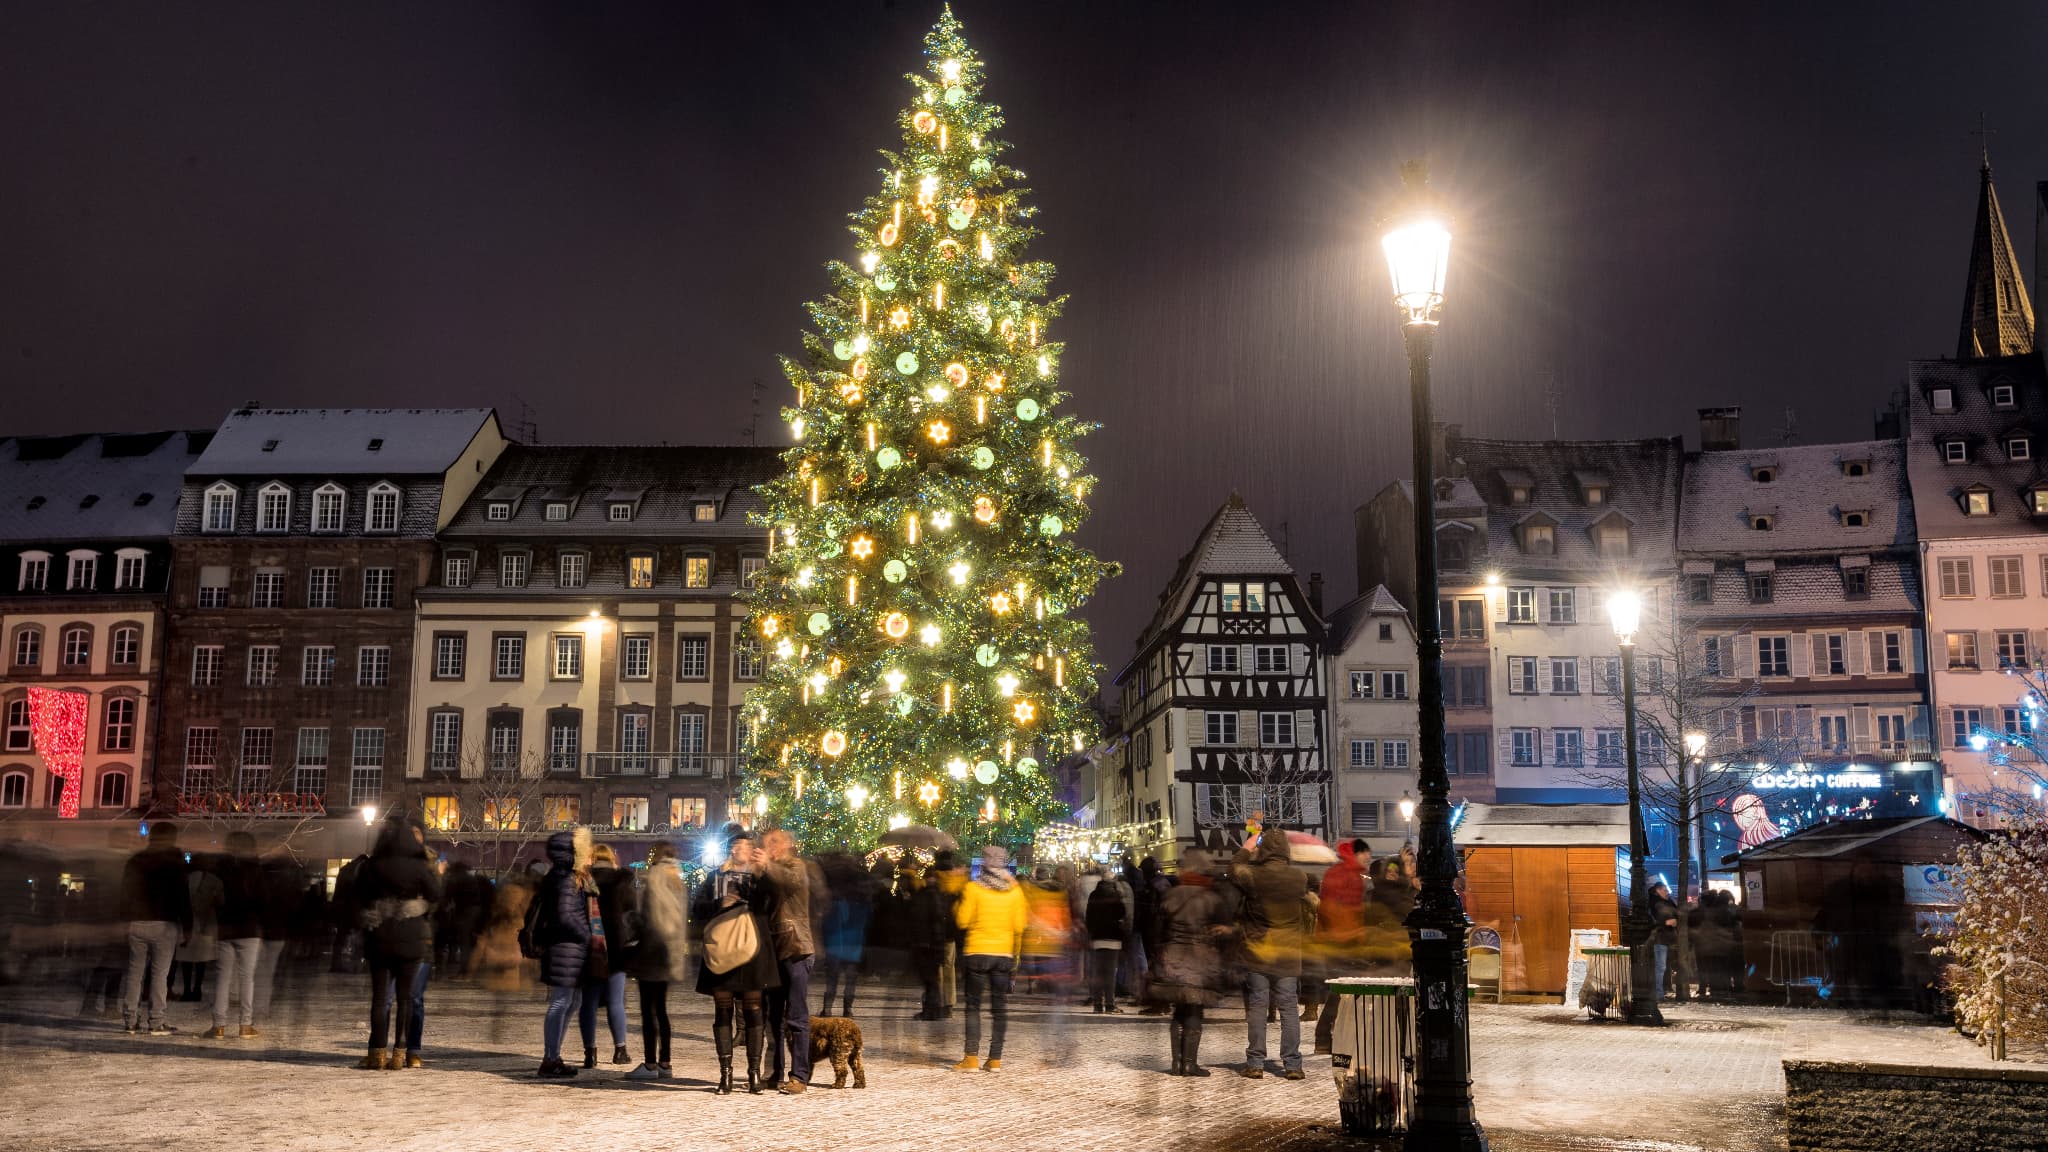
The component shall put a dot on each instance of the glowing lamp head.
(1417, 243)
(369, 814)
(1979, 742)
(1493, 579)
(1696, 744)
(856, 797)
(1407, 806)
(761, 804)
(1625, 612)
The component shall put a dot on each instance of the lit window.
(1943, 400)
(706, 512)
(1977, 502)
(640, 570)
(439, 813)
(697, 572)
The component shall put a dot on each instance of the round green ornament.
(885, 280)
(819, 623)
(829, 549)
(955, 95)
(986, 655)
(1027, 409)
(907, 363)
(985, 772)
(983, 458)
(903, 705)
(981, 166)
(894, 571)
(888, 458)
(1027, 765)
(843, 349)
(956, 220)
(1051, 526)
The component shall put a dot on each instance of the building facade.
(1223, 702)
(85, 556)
(581, 657)
(301, 538)
(1374, 721)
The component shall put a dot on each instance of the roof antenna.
(1984, 133)
(1285, 551)
(1788, 434)
(752, 435)
(525, 430)
(1553, 399)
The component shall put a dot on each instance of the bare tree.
(492, 806)
(256, 798)
(1279, 789)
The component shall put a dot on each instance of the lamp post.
(1417, 242)
(1625, 610)
(1692, 781)
(1408, 815)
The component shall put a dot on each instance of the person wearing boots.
(558, 933)
(1194, 924)
(659, 956)
(607, 981)
(992, 913)
(735, 889)
(1273, 893)
(396, 893)
(1108, 921)
(787, 878)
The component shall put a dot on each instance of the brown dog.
(839, 1038)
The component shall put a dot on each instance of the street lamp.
(1625, 610)
(1417, 243)
(1408, 814)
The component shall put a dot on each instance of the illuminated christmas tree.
(916, 616)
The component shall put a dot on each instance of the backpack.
(1105, 912)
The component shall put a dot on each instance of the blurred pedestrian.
(738, 965)
(786, 878)
(558, 932)
(1272, 891)
(992, 913)
(1148, 891)
(1663, 933)
(845, 930)
(1340, 928)
(240, 935)
(157, 903)
(1108, 920)
(196, 954)
(659, 958)
(604, 981)
(1194, 923)
(396, 892)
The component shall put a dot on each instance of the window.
(693, 657)
(83, 573)
(510, 660)
(316, 666)
(28, 647)
(640, 570)
(456, 568)
(696, 572)
(1760, 587)
(555, 511)
(1276, 729)
(1943, 400)
(1834, 733)
(1856, 583)
(451, 656)
(1223, 659)
(1955, 451)
(751, 568)
(377, 586)
(1521, 675)
(273, 508)
(206, 664)
(572, 569)
(263, 662)
(1471, 682)
(1471, 619)
(502, 812)
(1957, 581)
(76, 647)
(2019, 448)
(686, 812)
(35, 572)
(1564, 675)
(213, 586)
(636, 657)
(1386, 633)
(1773, 656)
(1855, 519)
(1606, 675)
(1362, 685)
(1453, 551)
(266, 589)
(1612, 539)
(1888, 652)
(565, 740)
(113, 789)
(1963, 722)
(1962, 649)
(382, 515)
(1220, 728)
(1394, 755)
(705, 512)
(634, 740)
(2012, 648)
(439, 813)
(20, 736)
(202, 747)
(259, 746)
(568, 658)
(561, 811)
(1521, 605)
(323, 588)
(746, 660)
(309, 776)
(1365, 816)
(512, 569)
(1539, 539)
(1699, 589)
(690, 742)
(220, 509)
(124, 646)
(1977, 502)
(1568, 745)
(117, 728)
(1854, 468)
(1522, 746)
(1364, 753)
(444, 741)
(502, 743)
(14, 790)
(629, 813)
(373, 666)
(1608, 747)
(365, 766)
(619, 512)
(1237, 597)
(1393, 685)
(328, 503)
(2007, 582)
(1268, 659)
(1564, 605)
(2002, 394)
(497, 510)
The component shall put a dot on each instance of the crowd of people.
(755, 933)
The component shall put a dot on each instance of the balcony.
(649, 765)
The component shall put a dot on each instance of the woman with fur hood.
(559, 933)
(660, 956)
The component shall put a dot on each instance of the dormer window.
(273, 508)
(1955, 452)
(2003, 395)
(88, 501)
(220, 508)
(1943, 399)
(2019, 448)
(381, 514)
(1855, 468)
(329, 502)
(620, 512)
(35, 502)
(556, 510)
(1539, 539)
(1764, 473)
(1977, 500)
(1855, 519)
(1451, 551)
(270, 445)
(497, 510)
(1762, 521)
(2037, 499)
(706, 512)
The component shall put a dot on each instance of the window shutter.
(1543, 674)
(1304, 729)
(1801, 664)
(1916, 721)
(1248, 730)
(1202, 665)
(1820, 652)
(1198, 729)
(1852, 653)
(1585, 673)
(1541, 737)
(1506, 743)
(1749, 725)
(1300, 659)
(1743, 663)
(1498, 599)
(1202, 803)
(1912, 640)
(1603, 685)
(1987, 654)
(1874, 643)
(1859, 725)
(1312, 805)
(1244, 659)
(1584, 610)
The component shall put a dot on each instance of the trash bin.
(1607, 983)
(1373, 1053)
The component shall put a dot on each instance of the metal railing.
(652, 765)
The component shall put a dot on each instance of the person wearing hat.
(736, 883)
(992, 914)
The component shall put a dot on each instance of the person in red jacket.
(1340, 927)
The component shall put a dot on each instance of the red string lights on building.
(56, 720)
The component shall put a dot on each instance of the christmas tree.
(923, 662)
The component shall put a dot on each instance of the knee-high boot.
(1176, 1030)
(1191, 1048)
(755, 1037)
(721, 1035)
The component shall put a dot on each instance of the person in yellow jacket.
(992, 914)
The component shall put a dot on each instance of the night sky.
(612, 213)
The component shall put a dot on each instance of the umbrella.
(1308, 848)
(924, 836)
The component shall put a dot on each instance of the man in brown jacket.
(1271, 922)
(788, 878)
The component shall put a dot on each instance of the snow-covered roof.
(1346, 621)
(1938, 486)
(340, 441)
(1840, 837)
(1809, 498)
(81, 487)
(1544, 825)
(663, 483)
(1640, 480)
(1232, 543)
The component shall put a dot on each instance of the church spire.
(1997, 318)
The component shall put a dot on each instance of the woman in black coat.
(558, 933)
(735, 885)
(396, 890)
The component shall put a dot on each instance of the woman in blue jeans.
(559, 932)
(607, 980)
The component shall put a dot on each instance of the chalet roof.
(1544, 825)
(93, 486)
(1806, 497)
(664, 482)
(1642, 478)
(1997, 318)
(341, 441)
(1837, 838)
(1937, 486)
(1232, 543)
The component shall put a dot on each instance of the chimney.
(1720, 429)
(1315, 592)
(1443, 443)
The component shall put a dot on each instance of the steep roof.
(1232, 543)
(1937, 485)
(1347, 620)
(93, 486)
(1642, 484)
(1808, 492)
(664, 484)
(341, 441)
(1997, 319)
